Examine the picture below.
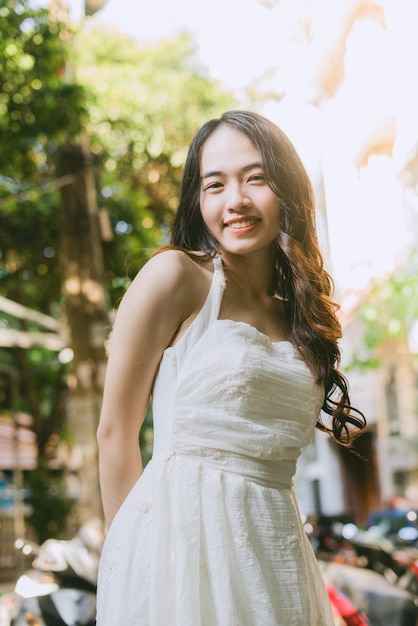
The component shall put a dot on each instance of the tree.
(148, 103)
(34, 118)
(38, 108)
(390, 312)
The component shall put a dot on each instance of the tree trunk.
(87, 312)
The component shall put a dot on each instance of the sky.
(234, 38)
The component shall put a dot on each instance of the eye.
(214, 186)
(257, 178)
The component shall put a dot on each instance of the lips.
(243, 223)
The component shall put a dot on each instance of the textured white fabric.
(211, 533)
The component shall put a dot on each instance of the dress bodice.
(226, 392)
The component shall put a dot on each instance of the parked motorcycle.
(391, 552)
(384, 604)
(366, 570)
(60, 588)
(395, 565)
(344, 611)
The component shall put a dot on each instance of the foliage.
(146, 438)
(43, 390)
(38, 105)
(389, 312)
(48, 501)
(148, 103)
(29, 267)
(140, 106)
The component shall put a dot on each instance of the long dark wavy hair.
(302, 280)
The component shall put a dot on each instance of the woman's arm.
(153, 309)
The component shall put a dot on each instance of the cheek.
(273, 204)
(209, 210)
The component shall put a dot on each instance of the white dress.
(211, 534)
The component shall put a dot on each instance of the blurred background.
(98, 104)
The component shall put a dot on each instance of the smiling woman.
(232, 332)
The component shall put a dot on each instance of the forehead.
(227, 147)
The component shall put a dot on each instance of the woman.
(232, 331)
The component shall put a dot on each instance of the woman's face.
(237, 205)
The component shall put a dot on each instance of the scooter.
(344, 611)
(366, 571)
(60, 588)
(396, 561)
(384, 603)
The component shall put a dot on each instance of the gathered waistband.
(276, 474)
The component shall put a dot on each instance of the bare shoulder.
(173, 284)
(173, 270)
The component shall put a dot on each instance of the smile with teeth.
(242, 224)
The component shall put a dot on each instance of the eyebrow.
(246, 168)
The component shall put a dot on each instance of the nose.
(237, 199)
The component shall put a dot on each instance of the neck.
(255, 273)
